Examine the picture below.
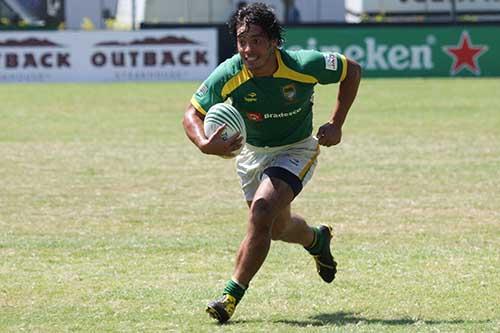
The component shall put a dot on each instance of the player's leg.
(299, 162)
(285, 171)
(293, 228)
(271, 197)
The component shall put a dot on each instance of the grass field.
(111, 221)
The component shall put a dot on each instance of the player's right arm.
(214, 145)
(208, 94)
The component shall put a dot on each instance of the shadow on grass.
(346, 318)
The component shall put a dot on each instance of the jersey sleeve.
(210, 91)
(327, 67)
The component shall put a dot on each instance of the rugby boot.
(325, 265)
(222, 309)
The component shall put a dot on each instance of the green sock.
(317, 244)
(234, 289)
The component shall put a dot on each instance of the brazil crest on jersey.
(277, 109)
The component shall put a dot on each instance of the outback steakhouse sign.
(45, 56)
(152, 55)
(132, 57)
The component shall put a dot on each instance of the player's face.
(256, 50)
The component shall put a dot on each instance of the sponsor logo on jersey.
(202, 90)
(289, 92)
(282, 114)
(250, 97)
(330, 61)
(255, 116)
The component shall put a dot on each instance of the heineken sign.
(385, 51)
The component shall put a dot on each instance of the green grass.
(112, 221)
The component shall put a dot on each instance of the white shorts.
(294, 164)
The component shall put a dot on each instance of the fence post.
(453, 13)
(133, 14)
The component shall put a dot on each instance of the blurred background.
(388, 37)
(130, 14)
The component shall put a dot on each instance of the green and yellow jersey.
(277, 109)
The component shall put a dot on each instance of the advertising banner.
(105, 56)
(421, 6)
(399, 51)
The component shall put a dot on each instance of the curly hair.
(259, 14)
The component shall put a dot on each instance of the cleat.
(222, 309)
(325, 265)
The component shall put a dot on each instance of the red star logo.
(465, 55)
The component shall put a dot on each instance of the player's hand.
(217, 145)
(329, 134)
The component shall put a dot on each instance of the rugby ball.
(223, 113)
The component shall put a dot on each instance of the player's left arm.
(330, 133)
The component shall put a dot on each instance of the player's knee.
(277, 232)
(261, 215)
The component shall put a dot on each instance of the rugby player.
(272, 88)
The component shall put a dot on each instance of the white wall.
(331, 10)
(218, 11)
(317, 11)
(124, 13)
(311, 11)
(192, 11)
(188, 11)
(77, 10)
(398, 6)
(277, 5)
